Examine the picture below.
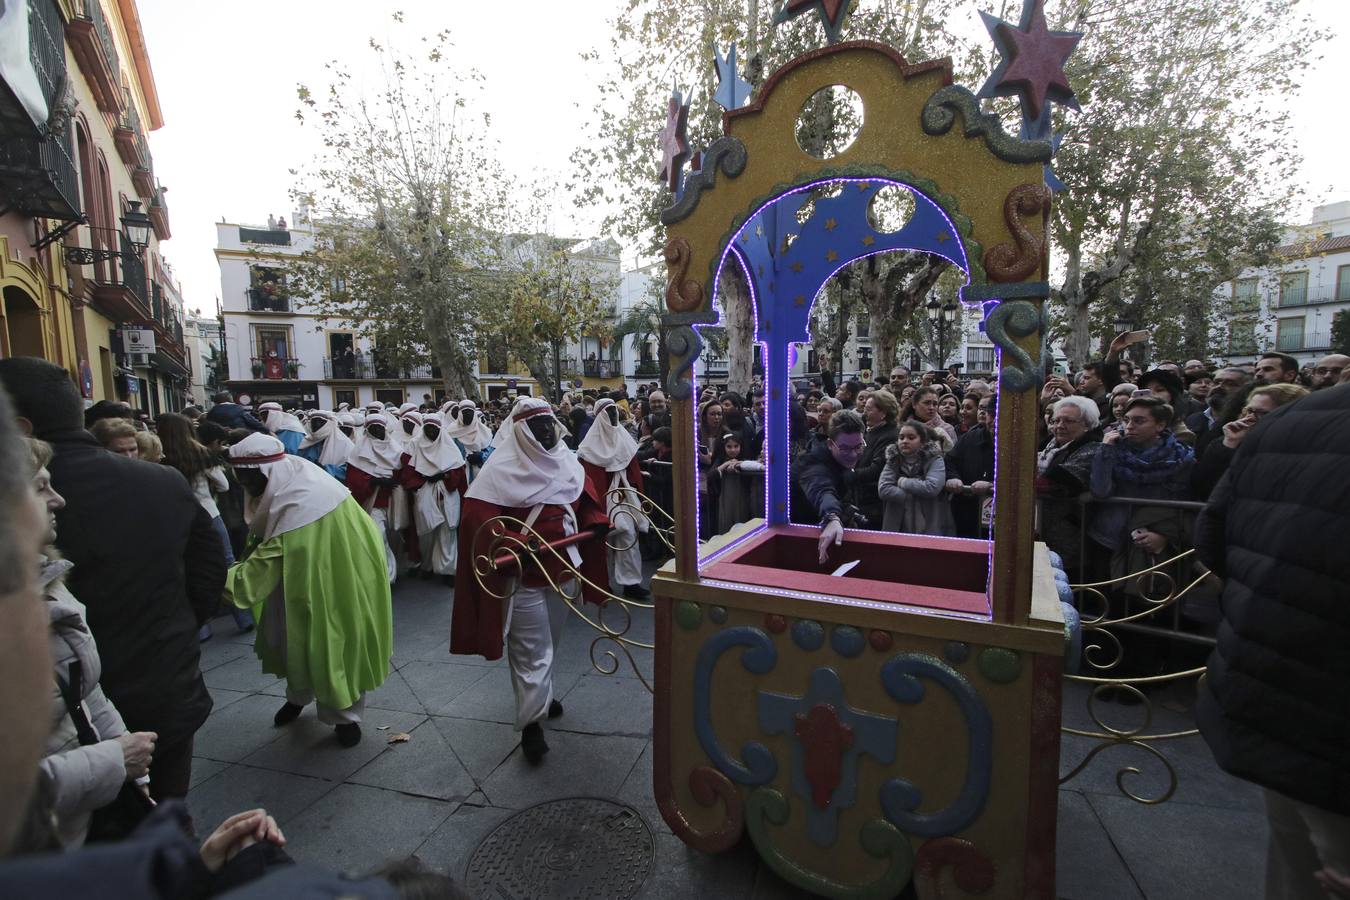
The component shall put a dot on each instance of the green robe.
(339, 621)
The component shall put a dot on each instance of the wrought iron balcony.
(647, 368)
(129, 137)
(262, 300)
(369, 367)
(159, 214)
(603, 368)
(91, 42)
(143, 177)
(120, 284)
(275, 368)
(37, 168)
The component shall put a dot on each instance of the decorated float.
(899, 722)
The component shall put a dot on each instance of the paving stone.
(221, 698)
(491, 698)
(1179, 851)
(608, 704)
(689, 874)
(424, 765)
(394, 694)
(577, 765)
(769, 886)
(238, 788)
(232, 733)
(1087, 864)
(357, 829)
(242, 674)
(308, 747)
(203, 768)
(439, 684)
(448, 849)
(217, 652)
(637, 791)
(480, 746)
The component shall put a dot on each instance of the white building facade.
(1289, 307)
(278, 348)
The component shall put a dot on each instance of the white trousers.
(381, 517)
(273, 634)
(625, 566)
(533, 629)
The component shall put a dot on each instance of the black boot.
(533, 744)
(448, 580)
(555, 710)
(348, 735)
(288, 713)
(636, 592)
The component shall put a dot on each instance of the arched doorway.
(23, 324)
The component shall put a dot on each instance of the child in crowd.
(911, 484)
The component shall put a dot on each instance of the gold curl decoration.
(513, 538)
(646, 508)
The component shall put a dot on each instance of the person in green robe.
(314, 576)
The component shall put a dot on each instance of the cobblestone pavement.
(462, 773)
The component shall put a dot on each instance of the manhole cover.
(581, 847)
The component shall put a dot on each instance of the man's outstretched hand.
(831, 534)
(239, 832)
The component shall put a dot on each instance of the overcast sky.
(227, 73)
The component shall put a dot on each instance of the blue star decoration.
(674, 141)
(732, 90)
(832, 14)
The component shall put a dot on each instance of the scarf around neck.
(1152, 464)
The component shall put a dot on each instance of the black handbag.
(130, 807)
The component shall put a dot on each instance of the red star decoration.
(674, 141)
(832, 13)
(1033, 60)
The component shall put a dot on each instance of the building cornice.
(131, 24)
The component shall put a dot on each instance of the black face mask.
(613, 412)
(348, 430)
(375, 431)
(408, 425)
(466, 416)
(315, 424)
(252, 480)
(545, 430)
(430, 432)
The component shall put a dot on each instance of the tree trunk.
(1079, 337)
(739, 319)
(541, 369)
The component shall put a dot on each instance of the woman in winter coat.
(1063, 471)
(78, 777)
(911, 484)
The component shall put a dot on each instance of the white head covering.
(410, 415)
(277, 420)
(431, 457)
(344, 407)
(376, 457)
(475, 435)
(336, 445)
(606, 445)
(298, 492)
(520, 472)
(376, 407)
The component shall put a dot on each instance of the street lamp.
(135, 228)
(941, 315)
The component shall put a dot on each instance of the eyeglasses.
(850, 449)
(1253, 411)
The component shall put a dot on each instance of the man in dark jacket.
(149, 567)
(820, 494)
(970, 472)
(1273, 708)
(229, 414)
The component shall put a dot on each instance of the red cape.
(476, 621)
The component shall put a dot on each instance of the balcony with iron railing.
(1301, 342)
(603, 368)
(120, 284)
(91, 42)
(129, 136)
(159, 213)
(37, 169)
(1302, 296)
(265, 299)
(275, 368)
(647, 368)
(369, 367)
